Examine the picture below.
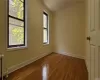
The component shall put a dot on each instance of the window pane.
(45, 36)
(16, 8)
(16, 22)
(16, 32)
(16, 35)
(45, 21)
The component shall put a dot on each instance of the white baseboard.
(18, 66)
(72, 55)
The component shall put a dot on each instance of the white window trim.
(26, 29)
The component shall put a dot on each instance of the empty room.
(49, 39)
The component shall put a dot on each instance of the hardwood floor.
(53, 67)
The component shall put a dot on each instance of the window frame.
(23, 20)
(47, 28)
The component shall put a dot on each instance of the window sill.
(45, 43)
(17, 48)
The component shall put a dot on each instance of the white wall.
(69, 30)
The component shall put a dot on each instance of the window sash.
(16, 18)
(45, 42)
(23, 20)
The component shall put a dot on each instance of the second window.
(45, 28)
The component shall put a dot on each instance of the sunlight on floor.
(45, 72)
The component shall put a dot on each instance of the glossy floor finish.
(53, 67)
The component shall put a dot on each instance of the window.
(16, 23)
(45, 28)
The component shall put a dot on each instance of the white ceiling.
(58, 4)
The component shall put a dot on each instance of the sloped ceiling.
(59, 4)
